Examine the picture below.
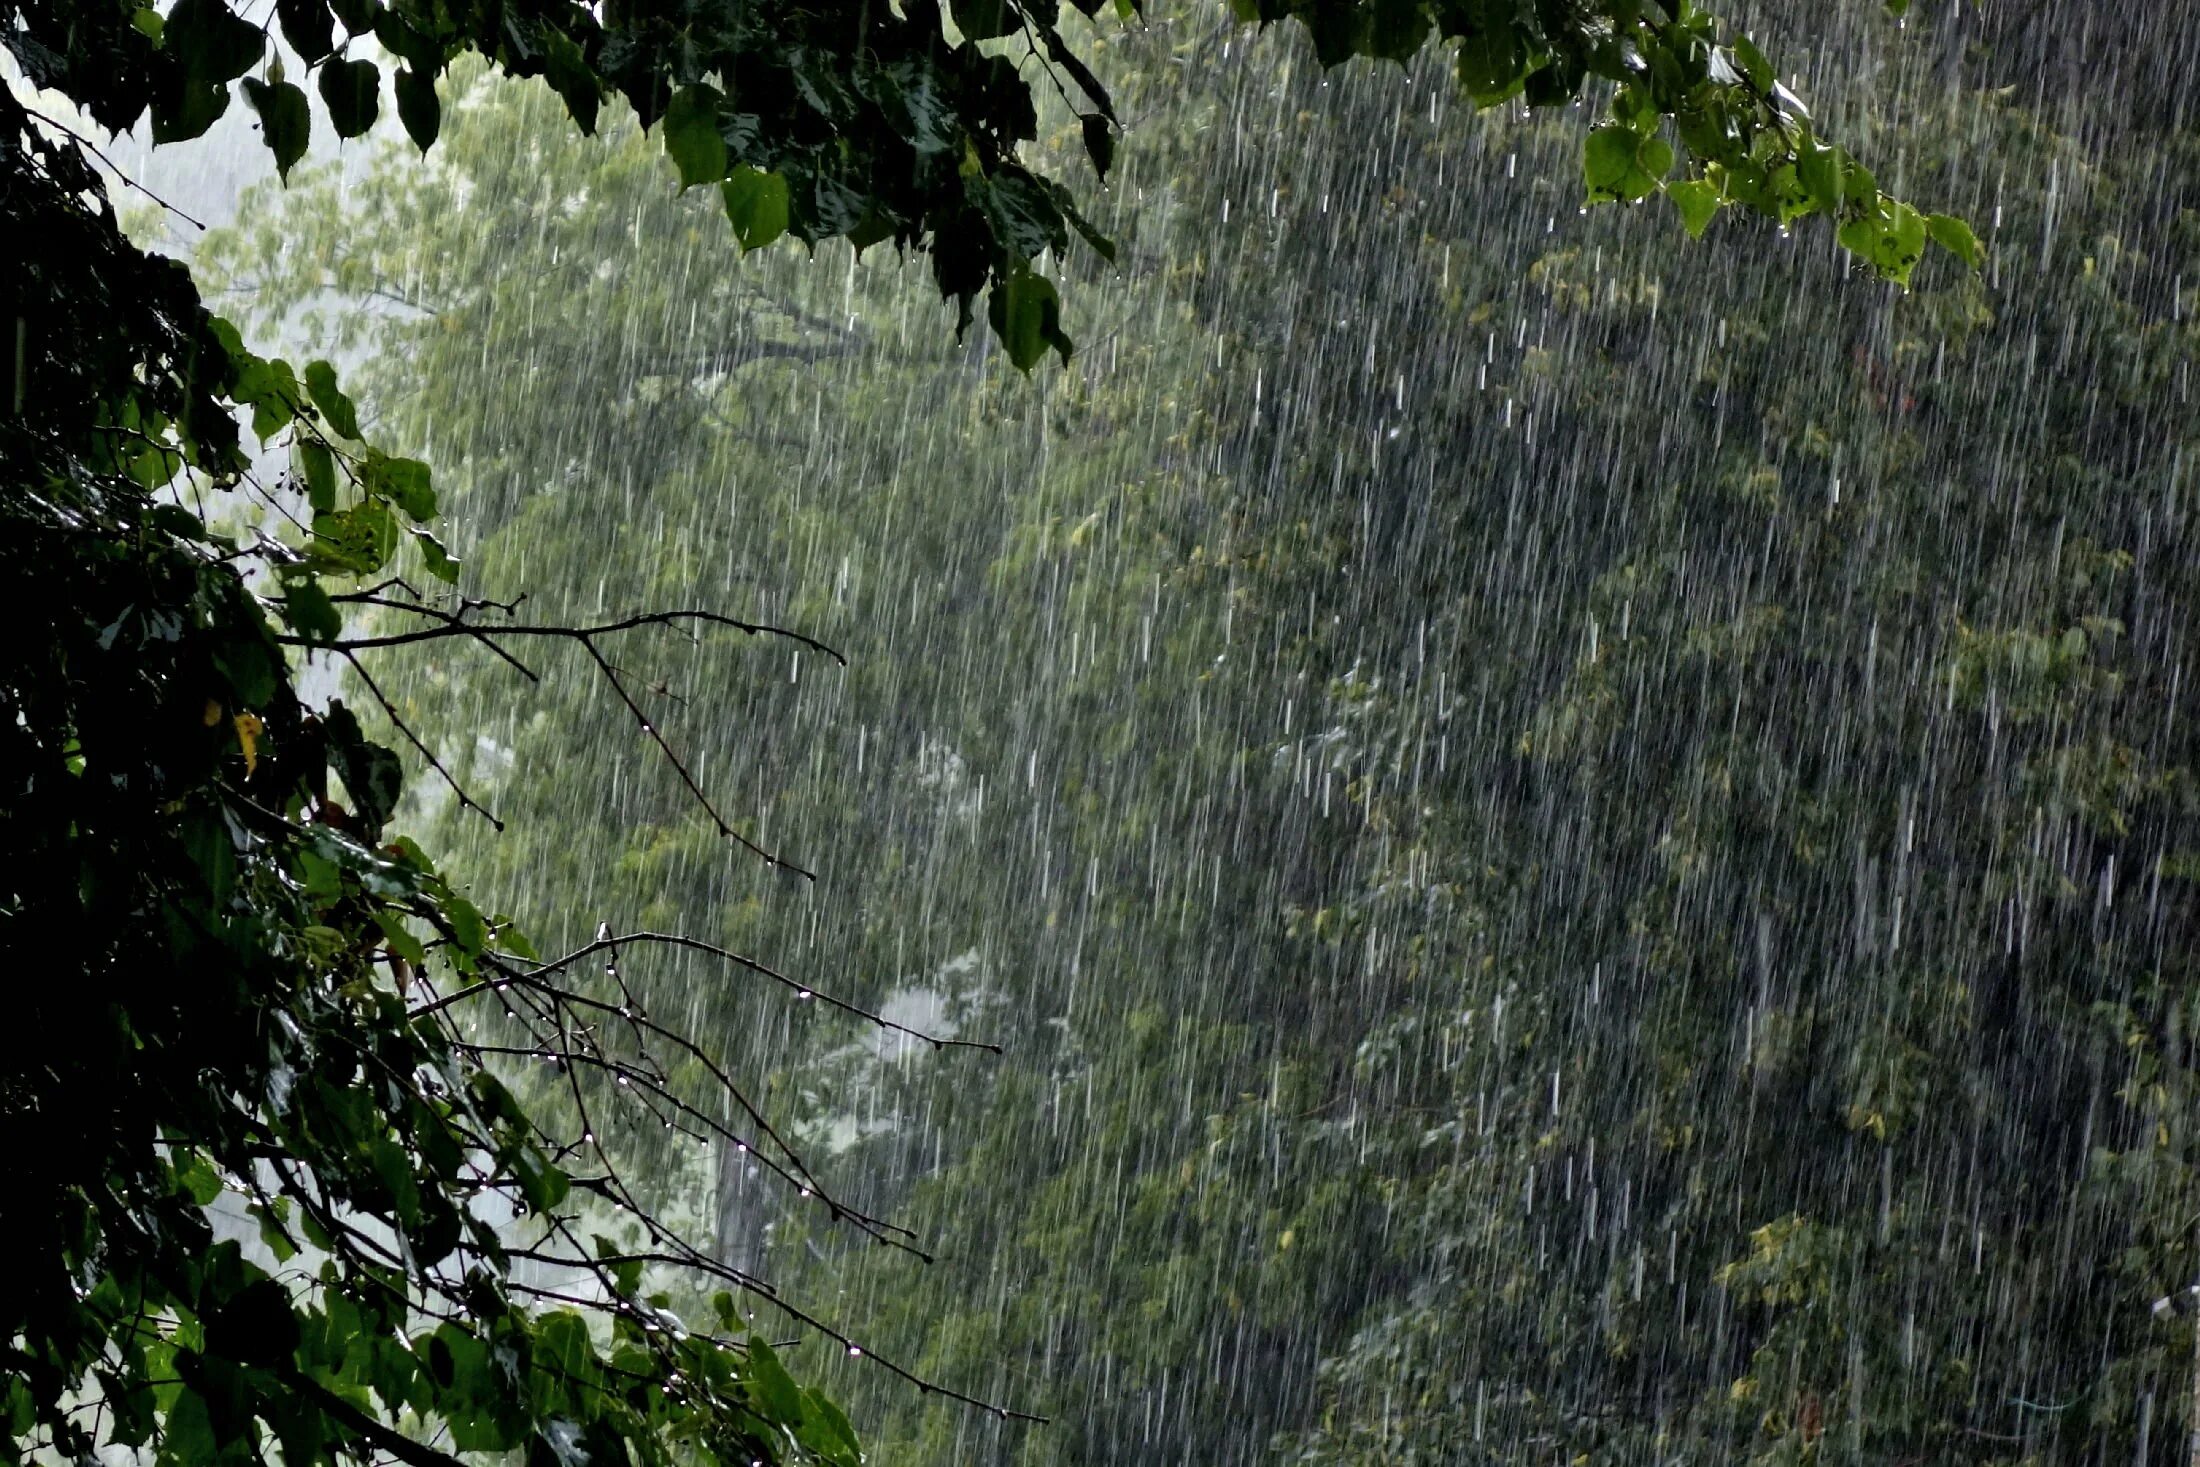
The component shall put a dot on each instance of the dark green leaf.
(774, 1392)
(317, 466)
(371, 774)
(468, 929)
(1753, 65)
(418, 107)
(352, 91)
(439, 561)
(310, 612)
(1818, 169)
(308, 26)
(212, 44)
(1026, 314)
(400, 937)
(184, 111)
(1099, 142)
(286, 121)
(983, 20)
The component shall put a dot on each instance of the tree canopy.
(247, 975)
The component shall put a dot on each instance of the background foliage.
(1585, 844)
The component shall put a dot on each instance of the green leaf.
(418, 107)
(330, 399)
(286, 122)
(571, 77)
(310, 612)
(317, 466)
(756, 203)
(405, 482)
(270, 388)
(273, 1234)
(1698, 202)
(196, 1176)
(1955, 236)
(1025, 312)
(1857, 184)
(563, 1347)
(358, 540)
(440, 562)
(1619, 163)
(542, 1184)
(983, 20)
(777, 1397)
(207, 844)
(1608, 157)
(468, 929)
(510, 939)
(1493, 64)
(1906, 236)
(1754, 65)
(352, 91)
(692, 139)
(400, 937)
(1818, 169)
(371, 774)
(827, 1432)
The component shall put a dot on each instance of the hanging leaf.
(286, 121)
(1099, 142)
(330, 399)
(1955, 236)
(1698, 201)
(1025, 312)
(756, 203)
(352, 91)
(692, 139)
(308, 27)
(418, 108)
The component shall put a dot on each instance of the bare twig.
(93, 148)
(465, 800)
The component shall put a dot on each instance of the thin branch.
(465, 800)
(456, 623)
(93, 148)
(396, 1443)
(800, 990)
(582, 634)
(649, 727)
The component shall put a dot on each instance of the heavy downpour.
(1363, 732)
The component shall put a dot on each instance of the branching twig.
(93, 148)
(800, 990)
(465, 800)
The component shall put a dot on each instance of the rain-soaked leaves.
(756, 205)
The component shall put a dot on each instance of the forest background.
(1583, 844)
